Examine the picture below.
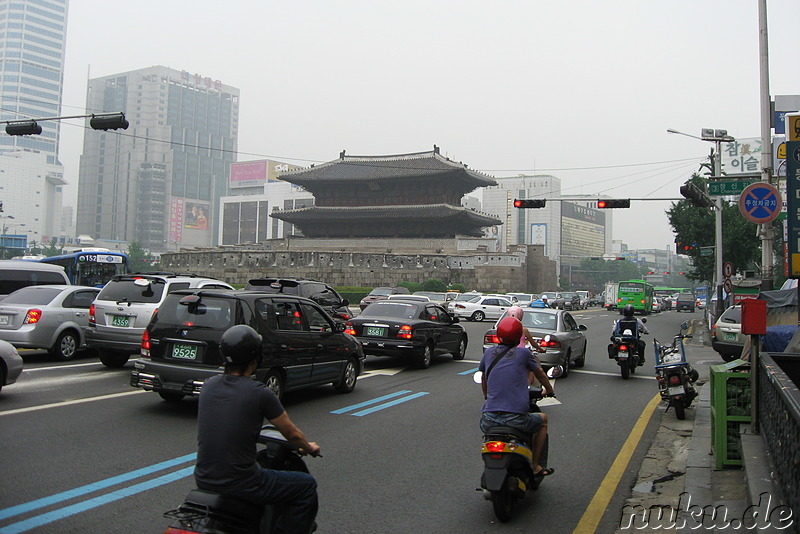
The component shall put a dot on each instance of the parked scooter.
(675, 375)
(507, 458)
(624, 346)
(205, 512)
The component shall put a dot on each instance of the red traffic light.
(614, 203)
(529, 203)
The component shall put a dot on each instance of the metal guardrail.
(779, 420)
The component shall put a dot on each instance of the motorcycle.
(675, 375)
(507, 457)
(206, 512)
(624, 347)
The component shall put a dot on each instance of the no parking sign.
(760, 202)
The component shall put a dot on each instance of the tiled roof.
(427, 211)
(359, 168)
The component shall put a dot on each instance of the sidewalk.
(678, 476)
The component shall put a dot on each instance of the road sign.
(706, 251)
(728, 187)
(793, 206)
(727, 269)
(792, 121)
(727, 285)
(760, 202)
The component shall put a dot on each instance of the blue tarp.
(778, 337)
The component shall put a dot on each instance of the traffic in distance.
(171, 328)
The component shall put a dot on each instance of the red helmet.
(509, 330)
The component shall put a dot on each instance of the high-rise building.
(32, 38)
(160, 181)
(32, 61)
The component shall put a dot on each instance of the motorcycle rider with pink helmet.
(517, 313)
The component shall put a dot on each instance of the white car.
(479, 308)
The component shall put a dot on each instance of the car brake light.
(674, 380)
(491, 339)
(349, 329)
(91, 314)
(145, 350)
(549, 343)
(33, 316)
(460, 306)
(495, 446)
(405, 332)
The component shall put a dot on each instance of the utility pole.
(765, 229)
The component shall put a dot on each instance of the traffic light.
(529, 203)
(697, 196)
(614, 203)
(111, 121)
(23, 128)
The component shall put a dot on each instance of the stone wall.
(523, 269)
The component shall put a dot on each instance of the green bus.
(669, 291)
(638, 293)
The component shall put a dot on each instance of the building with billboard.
(159, 182)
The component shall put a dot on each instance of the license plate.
(5, 319)
(120, 320)
(185, 352)
(376, 331)
(623, 355)
(676, 390)
(729, 336)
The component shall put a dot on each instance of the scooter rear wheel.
(625, 369)
(680, 411)
(503, 503)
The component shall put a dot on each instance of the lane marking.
(470, 372)
(55, 515)
(370, 402)
(606, 373)
(69, 403)
(30, 370)
(594, 512)
(389, 404)
(94, 486)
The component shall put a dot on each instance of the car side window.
(176, 286)
(81, 299)
(491, 302)
(288, 315)
(438, 314)
(317, 322)
(570, 322)
(503, 302)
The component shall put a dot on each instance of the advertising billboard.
(248, 173)
(196, 216)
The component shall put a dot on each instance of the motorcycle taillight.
(623, 347)
(495, 446)
(674, 380)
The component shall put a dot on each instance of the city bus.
(638, 293)
(92, 267)
(669, 291)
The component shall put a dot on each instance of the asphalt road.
(82, 451)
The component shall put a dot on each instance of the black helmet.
(628, 310)
(240, 344)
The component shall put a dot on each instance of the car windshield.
(209, 312)
(539, 320)
(396, 309)
(32, 295)
(469, 297)
(126, 290)
(732, 315)
(271, 285)
(430, 295)
(381, 291)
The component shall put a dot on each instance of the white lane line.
(71, 402)
(30, 370)
(605, 373)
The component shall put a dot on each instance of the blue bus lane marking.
(470, 372)
(375, 406)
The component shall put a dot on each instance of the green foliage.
(52, 249)
(353, 293)
(434, 284)
(412, 286)
(140, 260)
(696, 226)
(458, 287)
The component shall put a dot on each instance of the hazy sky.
(583, 90)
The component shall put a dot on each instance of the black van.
(685, 301)
(302, 347)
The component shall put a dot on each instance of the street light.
(717, 137)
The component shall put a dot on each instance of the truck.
(611, 291)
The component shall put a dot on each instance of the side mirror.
(583, 327)
(344, 302)
(454, 317)
(644, 319)
(340, 327)
(555, 371)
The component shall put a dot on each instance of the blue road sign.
(793, 207)
(760, 202)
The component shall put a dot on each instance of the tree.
(51, 249)
(434, 284)
(695, 227)
(140, 260)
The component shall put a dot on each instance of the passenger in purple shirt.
(505, 388)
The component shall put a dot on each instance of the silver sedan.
(10, 364)
(555, 330)
(51, 317)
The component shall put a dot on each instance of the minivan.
(16, 274)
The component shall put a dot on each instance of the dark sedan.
(556, 331)
(416, 330)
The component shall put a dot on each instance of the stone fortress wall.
(375, 263)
